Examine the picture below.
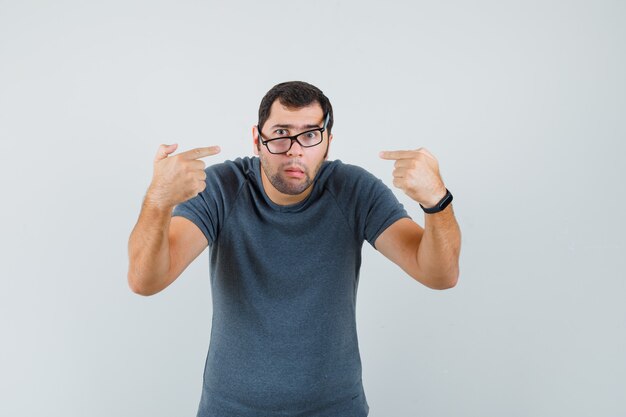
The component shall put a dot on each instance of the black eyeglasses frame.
(295, 137)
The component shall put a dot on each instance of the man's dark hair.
(295, 95)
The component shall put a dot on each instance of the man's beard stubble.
(279, 182)
(282, 184)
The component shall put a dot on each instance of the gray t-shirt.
(284, 282)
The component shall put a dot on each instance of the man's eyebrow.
(290, 126)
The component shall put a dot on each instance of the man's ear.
(330, 138)
(255, 140)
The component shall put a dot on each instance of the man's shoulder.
(338, 167)
(342, 174)
(351, 185)
(238, 170)
(243, 165)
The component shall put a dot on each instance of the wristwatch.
(442, 204)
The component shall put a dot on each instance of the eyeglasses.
(306, 139)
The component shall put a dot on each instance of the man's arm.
(161, 247)
(429, 254)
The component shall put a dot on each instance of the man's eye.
(281, 132)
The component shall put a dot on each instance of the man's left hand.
(417, 174)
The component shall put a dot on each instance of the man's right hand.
(178, 178)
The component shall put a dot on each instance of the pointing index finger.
(200, 152)
(395, 155)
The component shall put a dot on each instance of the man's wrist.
(437, 197)
(152, 201)
(440, 205)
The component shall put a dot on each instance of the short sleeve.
(369, 205)
(383, 210)
(209, 208)
(201, 210)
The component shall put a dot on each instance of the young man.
(285, 231)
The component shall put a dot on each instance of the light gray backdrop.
(523, 103)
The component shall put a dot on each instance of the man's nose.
(295, 150)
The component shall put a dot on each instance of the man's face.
(288, 178)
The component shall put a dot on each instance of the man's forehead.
(308, 116)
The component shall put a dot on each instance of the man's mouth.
(294, 171)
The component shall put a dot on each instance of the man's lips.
(294, 171)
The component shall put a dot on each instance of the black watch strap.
(442, 204)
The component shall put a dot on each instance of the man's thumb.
(164, 151)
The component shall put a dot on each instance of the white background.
(523, 103)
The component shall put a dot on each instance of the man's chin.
(294, 190)
(291, 187)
